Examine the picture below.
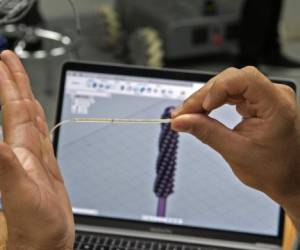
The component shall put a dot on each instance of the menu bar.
(105, 87)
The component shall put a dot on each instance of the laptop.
(111, 170)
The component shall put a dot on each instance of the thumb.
(11, 171)
(211, 132)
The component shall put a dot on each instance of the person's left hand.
(36, 205)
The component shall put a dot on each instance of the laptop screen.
(111, 171)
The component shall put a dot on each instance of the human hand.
(263, 149)
(36, 205)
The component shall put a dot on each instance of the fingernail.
(206, 103)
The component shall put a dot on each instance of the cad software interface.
(148, 172)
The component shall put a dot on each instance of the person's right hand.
(263, 150)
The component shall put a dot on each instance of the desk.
(3, 232)
(289, 234)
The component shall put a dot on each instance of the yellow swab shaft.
(111, 121)
(121, 121)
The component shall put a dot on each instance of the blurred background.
(148, 32)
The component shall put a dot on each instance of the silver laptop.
(114, 172)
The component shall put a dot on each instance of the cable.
(76, 16)
(166, 164)
(15, 12)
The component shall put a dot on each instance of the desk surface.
(3, 232)
(289, 235)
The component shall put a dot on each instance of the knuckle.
(251, 70)
(15, 103)
(254, 75)
(229, 77)
(228, 73)
(288, 103)
(27, 101)
(21, 75)
(289, 112)
(289, 91)
(220, 85)
(232, 70)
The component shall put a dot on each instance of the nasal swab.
(111, 121)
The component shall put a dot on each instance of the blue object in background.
(3, 43)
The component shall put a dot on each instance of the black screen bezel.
(168, 74)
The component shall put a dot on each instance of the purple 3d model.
(166, 163)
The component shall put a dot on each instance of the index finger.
(14, 109)
(247, 84)
(191, 104)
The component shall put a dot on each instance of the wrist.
(26, 244)
(31, 247)
(3, 232)
(45, 241)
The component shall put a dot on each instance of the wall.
(59, 8)
(291, 20)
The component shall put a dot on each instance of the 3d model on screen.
(148, 32)
(166, 164)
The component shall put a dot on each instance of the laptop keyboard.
(90, 241)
